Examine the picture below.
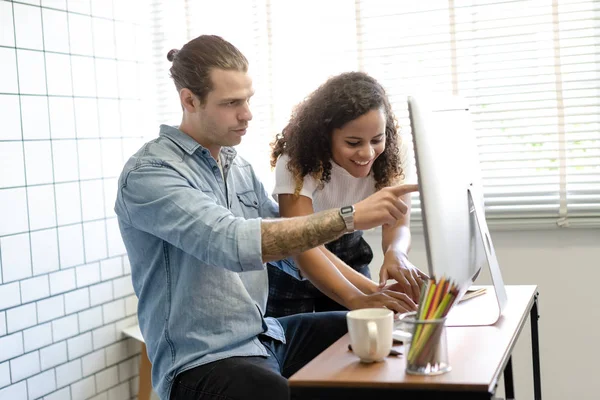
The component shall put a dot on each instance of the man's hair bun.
(171, 54)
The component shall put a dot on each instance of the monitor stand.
(485, 309)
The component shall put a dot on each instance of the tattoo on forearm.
(282, 238)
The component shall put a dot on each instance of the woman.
(340, 146)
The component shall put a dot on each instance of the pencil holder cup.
(427, 352)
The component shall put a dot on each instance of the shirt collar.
(188, 144)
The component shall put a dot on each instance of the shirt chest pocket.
(248, 203)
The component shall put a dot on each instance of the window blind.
(530, 70)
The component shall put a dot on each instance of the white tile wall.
(8, 71)
(42, 214)
(80, 29)
(22, 317)
(68, 373)
(10, 295)
(120, 392)
(104, 336)
(4, 374)
(104, 37)
(77, 300)
(101, 396)
(2, 323)
(65, 289)
(68, 203)
(128, 369)
(79, 6)
(58, 73)
(24, 366)
(83, 76)
(14, 219)
(92, 199)
(34, 117)
(65, 327)
(111, 268)
(28, 26)
(102, 9)
(62, 117)
(41, 384)
(10, 105)
(90, 158)
(56, 30)
(101, 293)
(89, 274)
(107, 378)
(123, 287)
(44, 252)
(62, 394)
(35, 288)
(59, 4)
(79, 345)
(64, 157)
(116, 353)
(53, 355)
(7, 36)
(38, 162)
(86, 117)
(18, 391)
(16, 257)
(93, 362)
(62, 281)
(38, 336)
(50, 308)
(84, 389)
(32, 78)
(90, 319)
(106, 80)
(12, 154)
(113, 311)
(11, 346)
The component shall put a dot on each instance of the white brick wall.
(11, 346)
(65, 284)
(90, 319)
(34, 288)
(10, 295)
(24, 366)
(77, 300)
(41, 384)
(2, 323)
(84, 389)
(53, 355)
(62, 394)
(22, 317)
(68, 373)
(38, 336)
(101, 293)
(50, 308)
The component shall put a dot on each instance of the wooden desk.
(478, 356)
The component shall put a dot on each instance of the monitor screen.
(447, 166)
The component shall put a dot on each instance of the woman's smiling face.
(357, 144)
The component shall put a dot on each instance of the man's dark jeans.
(257, 378)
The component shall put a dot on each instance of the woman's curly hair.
(307, 137)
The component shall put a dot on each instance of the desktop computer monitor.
(457, 240)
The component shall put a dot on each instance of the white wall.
(565, 264)
(69, 95)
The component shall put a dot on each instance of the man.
(198, 227)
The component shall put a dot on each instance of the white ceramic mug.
(370, 332)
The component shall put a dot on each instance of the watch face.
(346, 210)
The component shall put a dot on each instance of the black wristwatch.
(347, 214)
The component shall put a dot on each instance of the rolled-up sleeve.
(156, 199)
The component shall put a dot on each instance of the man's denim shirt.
(194, 244)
